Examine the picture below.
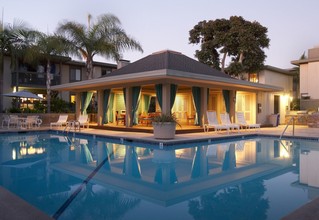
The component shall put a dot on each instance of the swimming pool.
(91, 177)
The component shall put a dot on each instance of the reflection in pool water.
(84, 177)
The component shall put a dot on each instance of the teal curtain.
(197, 102)
(124, 95)
(147, 102)
(106, 97)
(85, 101)
(159, 94)
(173, 95)
(226, 95)
(111, 110)
(136, 91)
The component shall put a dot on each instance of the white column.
(232, 105)
(166, 109)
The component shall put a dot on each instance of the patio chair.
(213, 122)
(14, 121)
(224, 117)
(30, 121)
(5, 121)
(60, 122)
(243, 123)
(83, 120)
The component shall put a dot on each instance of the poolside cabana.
(165, 81)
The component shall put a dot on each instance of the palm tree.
(45, 48)
(105, 37)
(13, 40)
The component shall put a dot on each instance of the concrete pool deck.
(22, 210)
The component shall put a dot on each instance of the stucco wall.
(276, 79)
(310, 80)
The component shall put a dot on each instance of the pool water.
(89, 177)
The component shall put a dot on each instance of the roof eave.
(154, 76)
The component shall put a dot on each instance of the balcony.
(33, 79)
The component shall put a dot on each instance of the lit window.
(72, 98)
(253, 77)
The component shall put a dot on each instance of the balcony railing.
(33, 79)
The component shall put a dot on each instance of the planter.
(164, 130)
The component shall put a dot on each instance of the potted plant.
(164, 126)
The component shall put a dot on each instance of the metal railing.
(293, 127)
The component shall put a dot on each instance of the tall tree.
(105, 37)
(45, 48)
(13, 40)
(237, 39)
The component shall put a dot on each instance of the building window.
(253, 77)
(106, 71)
(75, 74)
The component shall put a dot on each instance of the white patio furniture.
(29, 122)
(243, 123)
(14, 121)
(60, 122)
(213, 122)
(225, 119)
(83, 120)
(5, 121)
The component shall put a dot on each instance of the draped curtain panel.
(159, 94)
(197, 102)
(147, 102)
(85, 101)
(226, 95)
(111, 110)
(124, 95)
(173, 95)
(136, 92)
(106, 97)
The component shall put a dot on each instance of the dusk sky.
(159, 25)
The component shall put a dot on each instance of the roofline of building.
(164, 74)
(95, 63)
(304, 61)
(279, 70)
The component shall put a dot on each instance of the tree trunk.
(89, 68)
(48, 84)
(223, 62)
(241, 57)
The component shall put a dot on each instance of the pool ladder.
(293, 127)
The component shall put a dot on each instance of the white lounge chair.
(243, 123)
(61, 121)
(224, 117)
(83, 120)
(213, 122)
